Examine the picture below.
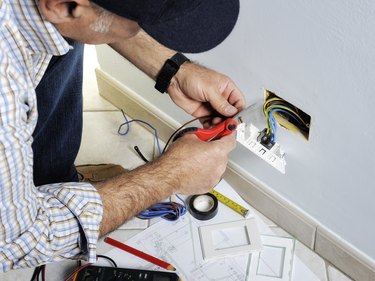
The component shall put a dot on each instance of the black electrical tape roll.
(204, 206)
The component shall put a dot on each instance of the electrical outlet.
(249, 136)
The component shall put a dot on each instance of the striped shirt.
(38, 224)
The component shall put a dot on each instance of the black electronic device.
(103, 273)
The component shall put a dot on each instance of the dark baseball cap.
(190, 26)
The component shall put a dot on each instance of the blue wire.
(127, 122)
(273, 126)
(273, 121)
(287, 112)
(170, 211)
(182, 200)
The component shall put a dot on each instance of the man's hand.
(198, 165)
(203, 92)
(197, 90)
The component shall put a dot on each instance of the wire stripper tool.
(224, 128)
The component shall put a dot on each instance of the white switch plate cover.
(247, 228)
(274, 262)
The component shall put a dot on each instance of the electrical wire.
(294, 114)
(167, 210)
(39, 271)
(35, 273)
(75, 272)
(136, 148)
(277, 105)
(107, 258)
(175, 132)
(44, 272)
(127, 123)
(170, 211)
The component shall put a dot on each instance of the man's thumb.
(222, 106)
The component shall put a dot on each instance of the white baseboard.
(303, 227)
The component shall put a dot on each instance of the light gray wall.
(320, 56)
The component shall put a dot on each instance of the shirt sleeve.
(60, 222)
(38, 224)
(45, 223)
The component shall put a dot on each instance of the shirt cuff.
(84, 202)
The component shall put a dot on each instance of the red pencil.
(139, 254)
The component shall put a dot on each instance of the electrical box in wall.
(259, 132)
(286, 114)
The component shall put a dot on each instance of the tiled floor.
(102, 144)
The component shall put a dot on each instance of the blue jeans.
(57, 136)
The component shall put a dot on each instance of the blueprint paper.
(135, 223)
(179, 244)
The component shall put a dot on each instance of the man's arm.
(144, 52)
(189, 166)
(198, 90)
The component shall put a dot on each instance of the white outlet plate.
(247, 135)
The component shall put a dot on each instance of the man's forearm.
(144, 52)
(189, 166)
(126, 195)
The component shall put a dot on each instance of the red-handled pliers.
(224, 128)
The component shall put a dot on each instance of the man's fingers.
(222, 106)
(228, 100)
(227, 142)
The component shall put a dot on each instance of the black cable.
(136, 148)
(36, 273)
(175, 132)
(108, 258)
(44, 272)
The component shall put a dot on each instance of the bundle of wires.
(170, 211)
(285, 110)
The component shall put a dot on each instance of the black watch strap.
(169, 69)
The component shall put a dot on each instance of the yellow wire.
(288, 109)
(268, 101)
(265, 112)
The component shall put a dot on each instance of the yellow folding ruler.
(230, 203)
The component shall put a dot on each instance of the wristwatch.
(169, 69)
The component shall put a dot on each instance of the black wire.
(175, 132)
(108, 258)
(294, 108)
(36, 273)
(43, 272)
(136, 148)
